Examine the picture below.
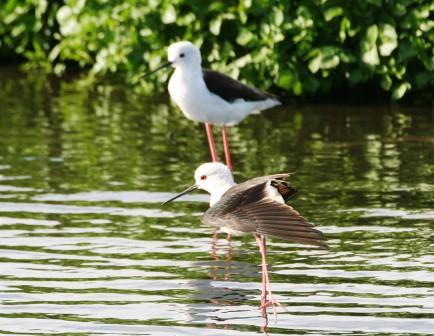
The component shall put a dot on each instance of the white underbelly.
(203, 107)
(192, 98)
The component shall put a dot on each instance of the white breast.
(274, 194)
(193, 98)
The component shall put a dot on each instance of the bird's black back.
(230, 89)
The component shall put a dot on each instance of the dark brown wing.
(255, 181)
(230, 89)
(284, 189)
(248, 208)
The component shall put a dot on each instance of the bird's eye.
(203, 177)
(182, 55)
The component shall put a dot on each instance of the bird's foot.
(271, 302)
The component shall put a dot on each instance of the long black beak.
(158, 68)
(186, 191)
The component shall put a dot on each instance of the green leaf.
(377, 3)
(388, 39)
(329, 58)
(386, 82)
(371, 56)
(332, 12)
(286, 79)
(369, 47)
(247, 3)
(371, 35)
(278, 16)
(54, 53)
(399, 91)
(215, 25)
(315, 64)
(169, 15)
(399, 9)
(297, 88)
(325, 58)
(63, 14)
(244, 37)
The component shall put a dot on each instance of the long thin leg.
(215, 238)
(211, 143)
(228, 268)
(226, 148)
(264, 285)
(270, 302)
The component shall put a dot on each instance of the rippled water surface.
(87, 249)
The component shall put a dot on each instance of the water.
(87, 249)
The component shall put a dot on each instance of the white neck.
(217, 193)
(189, 71)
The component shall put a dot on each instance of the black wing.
(248, 208)
(230, 89)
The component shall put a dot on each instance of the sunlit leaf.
(369, 47)
(371, 56)
(388, 39)
(332, 12)
(215, 26)
(315, 64)
(245, 37)
(326, 58)
(278, 16)
(399, 91)
(169, 15)
(54, 52)
(371, 35)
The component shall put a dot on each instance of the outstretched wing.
(250, 207)
(230, 89)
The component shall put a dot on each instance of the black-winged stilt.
(209, 96)
(257, 207)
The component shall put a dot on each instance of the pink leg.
(265, 279)
(211, 143)
(264, 286)
(226, 148)
(215, 238)
(228, 268)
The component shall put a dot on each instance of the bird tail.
(265, 104)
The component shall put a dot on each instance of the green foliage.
(303, 47)
(26, 28)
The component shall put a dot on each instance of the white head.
(214, 177)
(184, 55)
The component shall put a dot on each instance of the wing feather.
(230, 89)
(247, 207)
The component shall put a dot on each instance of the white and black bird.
(209, 96)
(257, 207)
